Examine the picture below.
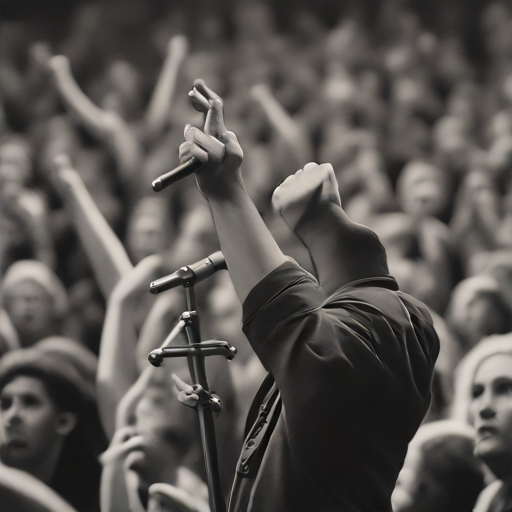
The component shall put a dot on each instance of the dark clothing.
(353, 377)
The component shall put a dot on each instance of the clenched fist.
(305, 191)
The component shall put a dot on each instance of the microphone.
(190, 274)
(189, 167)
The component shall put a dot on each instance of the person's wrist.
(313, 220)
(222, 188)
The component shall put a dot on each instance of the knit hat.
(73, 390)
(70, 351)
(33, 270)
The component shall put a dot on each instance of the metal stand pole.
(198, 374)
(195, 352)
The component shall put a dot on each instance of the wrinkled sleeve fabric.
(354, 374)
(304, 345)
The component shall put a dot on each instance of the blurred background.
(410, 100)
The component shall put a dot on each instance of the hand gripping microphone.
(190, 274)
(189, 167)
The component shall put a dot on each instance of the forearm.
(93, 117)
(283, 123)
(160, 105)
(250, 250)
(127, 405)
(158, 323)
(318, 233)
(342, 251)
(113, 492)
(117, 369)
(107, 255)
(106, 126)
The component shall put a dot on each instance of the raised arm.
(341, 250)
(283, 123)
(250, 251)
(117, 365)
(106, 126)
(105, 251)
(157, 115)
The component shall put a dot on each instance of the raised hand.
(304, 191)
(186, 393)
(107, 126)
(291, 131)
(105, 251)
(201, 95)
(216, 147)
(246, 243)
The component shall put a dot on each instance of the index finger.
(201, 86)
(199, 102)
(214, 124)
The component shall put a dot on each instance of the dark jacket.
(352, 377)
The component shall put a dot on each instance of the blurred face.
(481, 317)
(159, 420)
(146, 237)
(15, 165)
(197, 239)
(424, 196)
(503, 274)
(29, 422)
(30, 308)
(491, 412)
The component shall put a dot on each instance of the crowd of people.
(419, 132)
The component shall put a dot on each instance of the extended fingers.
(211, 145)
(214, 124)
(200, 86)
(201, 96)
(187, 394)
(205, 100)
(181, 385)
(189, 399)
(199, 102)
(330, 175)
(233, 148)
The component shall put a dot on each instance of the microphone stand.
(196, 351)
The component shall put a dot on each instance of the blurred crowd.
(413, 108)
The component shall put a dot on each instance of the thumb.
(333, 183)
(214, 124)
(201, 86)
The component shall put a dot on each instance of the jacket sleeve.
(313, 353)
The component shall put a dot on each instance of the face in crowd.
(31, 309)
(168, 428)
(32, 429)
(491, 413)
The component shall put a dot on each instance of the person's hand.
(135, 284)
(216, 147)
(304, 191)
(124, 441)
(64, 177)
(39, 54)
(186, 393)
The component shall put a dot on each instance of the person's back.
(343, 371)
